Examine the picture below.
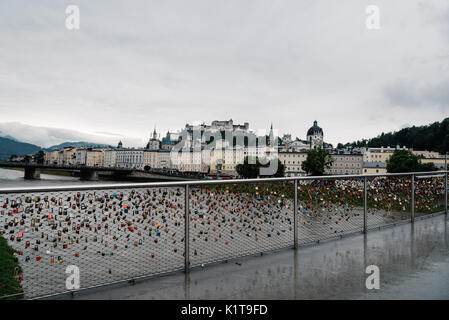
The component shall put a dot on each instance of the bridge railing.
(105, 234)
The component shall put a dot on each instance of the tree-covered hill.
(432, 137)
(9, 147)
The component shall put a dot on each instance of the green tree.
(250, 168)
(27, 158)
(39, 157)
(406, 161)
(280, 169)
(317, 161)
(433, 137)
(429, 166)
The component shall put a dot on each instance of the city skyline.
(287, 63)
(34, 134)
(55, 136)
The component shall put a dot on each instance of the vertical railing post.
(445, 183)
(365, 205)
(187, 230)
(412, 218)
(295, 216)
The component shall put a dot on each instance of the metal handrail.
(208, 182)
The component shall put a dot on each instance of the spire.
(271, 137)
(154, 133)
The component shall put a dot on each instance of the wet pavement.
(413, 260)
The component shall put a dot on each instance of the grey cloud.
(46, 137)
(108, 133)
(405, 125)
(134, 65)
(438, 95)
(417, 96)
(403, 95)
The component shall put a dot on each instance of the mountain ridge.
(10, 146)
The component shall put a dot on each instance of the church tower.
(315, 136)
(153, 143)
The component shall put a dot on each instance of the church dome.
(314, 129)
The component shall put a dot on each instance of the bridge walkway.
(413, 260)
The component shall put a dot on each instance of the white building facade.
(130, 158)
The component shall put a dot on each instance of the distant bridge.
(33, 170)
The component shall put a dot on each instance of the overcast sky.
(135, 64)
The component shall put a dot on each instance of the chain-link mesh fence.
(388, 200)
(124, 233)
(229, 221)
(429, 195)
(109, 235)
(329, 208)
